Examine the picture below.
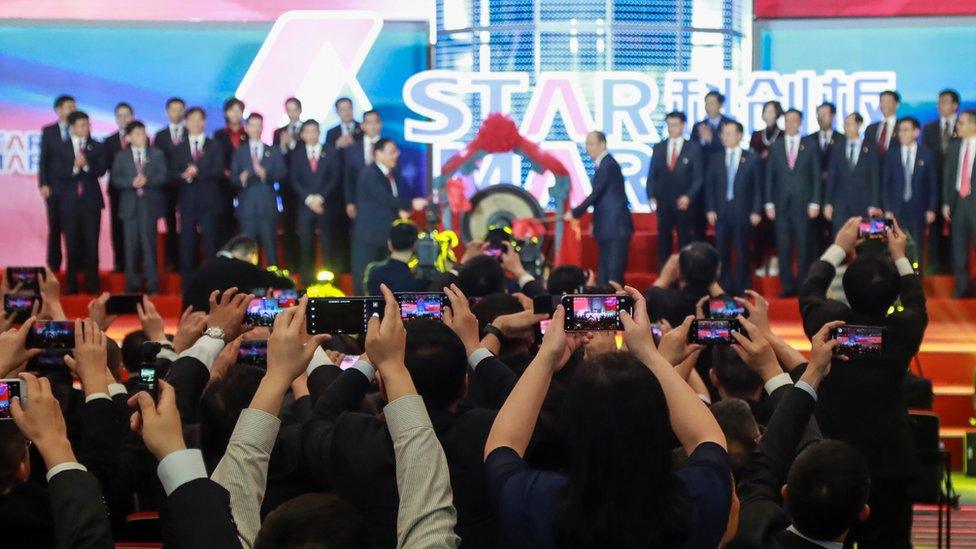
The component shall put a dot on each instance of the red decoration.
(498, 133)
(456, 198)
(528, 227)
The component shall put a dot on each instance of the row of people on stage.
(217, 186)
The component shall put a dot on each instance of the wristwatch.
(493, 330)
(215, 333)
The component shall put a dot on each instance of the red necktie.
(792, 156)
(196, 152)
(80, 152)
(139, 167)
(176, 138)
(882, 142)
(965, 179)
(393, 187)
(673, 161)
(123, 142)
(313, 162)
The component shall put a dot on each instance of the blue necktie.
(64, 134)
(730, 174)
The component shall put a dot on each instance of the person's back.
(683, 282)
(235, 266)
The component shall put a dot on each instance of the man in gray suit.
(139, 174)
(254, 171)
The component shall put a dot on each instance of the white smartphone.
(10, 388)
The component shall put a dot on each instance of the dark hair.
(857, 116)
(911, 120)
(403, 236)
(255, 115)
(734, 123)
(132, 350)
(232, 102)
(123, 105)
(241, 245)
(698, 264)
(830, 106)
(114, 357)
(493, 306)
(76, 116)
(566, 279)
(195, 110)
(792, 110)
(951, 93)
(678, 115)
(892, 93)
(373, 112)
(13, 448)
(313, 521)
(600, 136)
(776, 105)
(172, 100)
(310, 122)
(61, 100)
(294, 100)
(437, 362)
(135, 124)
(871, 284)
(739, 425)
(737, 378)
(381, 143)
(828, 485)
(717, 95)
(620, 490)
(342, 100)
(481, 276)
(221, 405)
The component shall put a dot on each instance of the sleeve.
(201, 516)
(97, 163)
(214, 161)
(177, 163)
(295, 177)
(344, 395)
(651, 172)
(278, 169)
(103, 428)
(813, 294)
(707, 475)
(117, 180)
(237, 166)
(818, 186)
(333, 177)
(768, 195)
(757, 177)
(42, 162)
(156, 174)
(874, 189)
(189, 378)
(697, 175)
(490, 383)
(426, 514)
(600, 186)
(503, 465)
(950, 167)
(832, 174)
(932, 186)
(886, 183)
(350, 179)
(81, 519)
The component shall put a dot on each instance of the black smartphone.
(10, 388)
(595, 312)
(262, 311)
(27, 277)
(258, 292)
(496, 250)
(254, 352)
(288, 293)
(147, 379)
(859, 340)
(123, 304)
(725, 307)
(49, 363)
(428, 305)
(874, 227)
(657, 332)
(545, 304)
(341, 315)
(52, 334)
(22, 305)
(713, 331)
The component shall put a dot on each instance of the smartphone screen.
(595, 313)
(123, 304)
(54, 334)
(262, 311)
(725, 307)
(544, 325)
(495, 251)
(859, 340)
(657, 331)
(16, 303)
(9, 388)
(27, 277)
(428, 306)
(713, 332)
(341, 315)
(254, 352)
(348, 361)
(874, 227)
(49, 363)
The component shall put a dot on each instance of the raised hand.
(756, 351)
(847, 235)
(674, 346)
(151, 320)
(897, 241)
(288, 351)
(461, 320)
(386, 343)
(13, 348)
(158, 422)
(96, 311)
(227, 312)
(191, 328)
(822, 354)
(90, 357)
(40, 421)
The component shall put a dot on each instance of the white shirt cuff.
(706, 399)
(96, 396)
(808, 388)
(769, 205)
(365, 368)
(205, 350)
(117, 389)
(835, 255)
(813, 205)
(477, 356)
(904, 266)
(776, 382)
(180, 467)
(309, 198)
(167, 354)
(319, 358)
(62, 467)
(525, 279)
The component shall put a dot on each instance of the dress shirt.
(674, 147)
(175, 131)
(347, 127)
(313, 151)
(426, 515)
(197, 141)
(319, 358)
(256, 146)
(835, 255)
(63, 128)
(390, 178)
(825, 136)
(477, 356)
(970, 144)
(596, 162)
(950, 120)
(364, 368)
(62, 467)
(792, 145)
(776, 382)
(890, 123)
(715, 121)
(205, 350)
(854, 154)
(113, 390)
(908, 155)
(139, 156)
(78, 145)
(825, 544)
(368, 143)
(180, 467)
(732, 156)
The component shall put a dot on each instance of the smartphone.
(725, 307)
(422, 305)
(859, 340)
(258, 292)
(544, 325)
(10, 388)
(53, 334)
(545, 304)
(27, 277)
(20, 304)
(262, 311)
(49, 363)
(341, 315)
(874, 227)
(123, 304)
(657, 331)
(288, 293)
(348, 361)
(254, 352)
(147, 379)
(595, 313)
(496, 250)
(713, 331)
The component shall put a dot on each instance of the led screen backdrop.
(366, 55)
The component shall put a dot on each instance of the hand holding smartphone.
(253, 352)
(123, 304)
(713, 331)
(51, 334)
(726, 307)
(27, 277)
(874, 228)
(9, 389)
(859, 340)
(596, 312)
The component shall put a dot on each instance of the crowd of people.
(475, 430)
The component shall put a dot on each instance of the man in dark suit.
(286, 139)
(347, 131)
(936, 135)
(235, 266)
(673, 181)
(793, 194)
(958, 199)
(861, 402)
(853, 177)
(380, 200)
(229, 138)
(706, 132)
(198, 163)
(733, 203)
(828, 139)
(78, 163)
(394, 271)
(358, 155)
(910, 188)
(883, 133)
(139, 174)
(166, 139)
(52, 137)
(686, 277)
(314, 178)
(113, 144)
(255, 170)
(338, 141)
(612, 223)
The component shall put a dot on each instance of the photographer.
(394, 271)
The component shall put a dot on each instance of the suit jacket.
(395, 274)
(257, 198)
(925, 187)
(296, 138)
(220, 273)
(51, 139)
(223, 137)
(716, 143)
(335, 132)
(854, 191)
(352, 163)
(124, 172)
(112, 145)
(666, 186)
(164, 141)
(871, 135)
(611, 214)
(376, 206)
(861, 401)
(203, 192)
(747, 187)
(325, 180)
(201, 516)
(66, 183)
(950, 196)
(836, 139)
(798, 186)
(932, 138)
(80, 516)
